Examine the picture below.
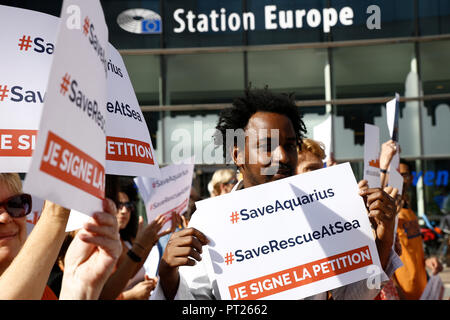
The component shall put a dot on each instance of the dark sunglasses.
(232, 181)
(129, 205)
(17, 206)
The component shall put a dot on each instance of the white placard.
(32, 218)
(152, 262)
(289, 239)
(322, 132)
(69, 160)
(434, 289)
(372, 155)
(129, 149)
(392, 113)
(27, 40)
(168, 194)
(395, 179)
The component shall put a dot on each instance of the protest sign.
(392, 113)
(290, 238)
(434, 289)
(25, 60)
(322, 132)
(69, 160)
(395, 179)
(169, 194)
(152, 262)
(129, 149)
(372, 155)
(33, 217)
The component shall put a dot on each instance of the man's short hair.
(258, 100)
(317, 148)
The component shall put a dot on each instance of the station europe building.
(188, 59)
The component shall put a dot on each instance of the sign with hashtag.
(288, 239)
(129, 149)
(25, 60)
(372, 155)
(68, 163)
(169, 193)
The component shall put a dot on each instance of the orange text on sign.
(66, 162)
(301, 275)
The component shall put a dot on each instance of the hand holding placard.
(295, 241)
(382, 211)
(183, 249)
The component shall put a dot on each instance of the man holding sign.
(276, 114)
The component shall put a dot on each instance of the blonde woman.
(222, 182)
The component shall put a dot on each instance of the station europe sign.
(273, 19)
(220, 20)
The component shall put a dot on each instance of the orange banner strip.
(67, 163)
(130, 150)
(17, 143)
(298, 276)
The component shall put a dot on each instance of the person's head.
(126, 216)
(310, 156)
(272, 130)
(13, 210)
(405, 171)
(223, 181)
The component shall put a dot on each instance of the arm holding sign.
(27, 276)
(146, 238)
(91, 256)
(142, 290)
(388, 150)
(382, 211)
(183, 249)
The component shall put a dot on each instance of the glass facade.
(209, 50)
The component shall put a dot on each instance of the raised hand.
(92, 255)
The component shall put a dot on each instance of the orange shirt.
(412, 276)
(49, 294)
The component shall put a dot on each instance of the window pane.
(371, 71)
(434, 17)
(435, 179)
(433, 56)
(189, 134)
(374, 71)
(313, 116)
(153, 120)
(435, 113)
(299, 71)
(204, 78)
(144, 74)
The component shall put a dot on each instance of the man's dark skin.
(184, 247)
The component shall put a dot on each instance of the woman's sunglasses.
(17, 206)
(128, 205)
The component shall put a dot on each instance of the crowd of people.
(104, 259)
